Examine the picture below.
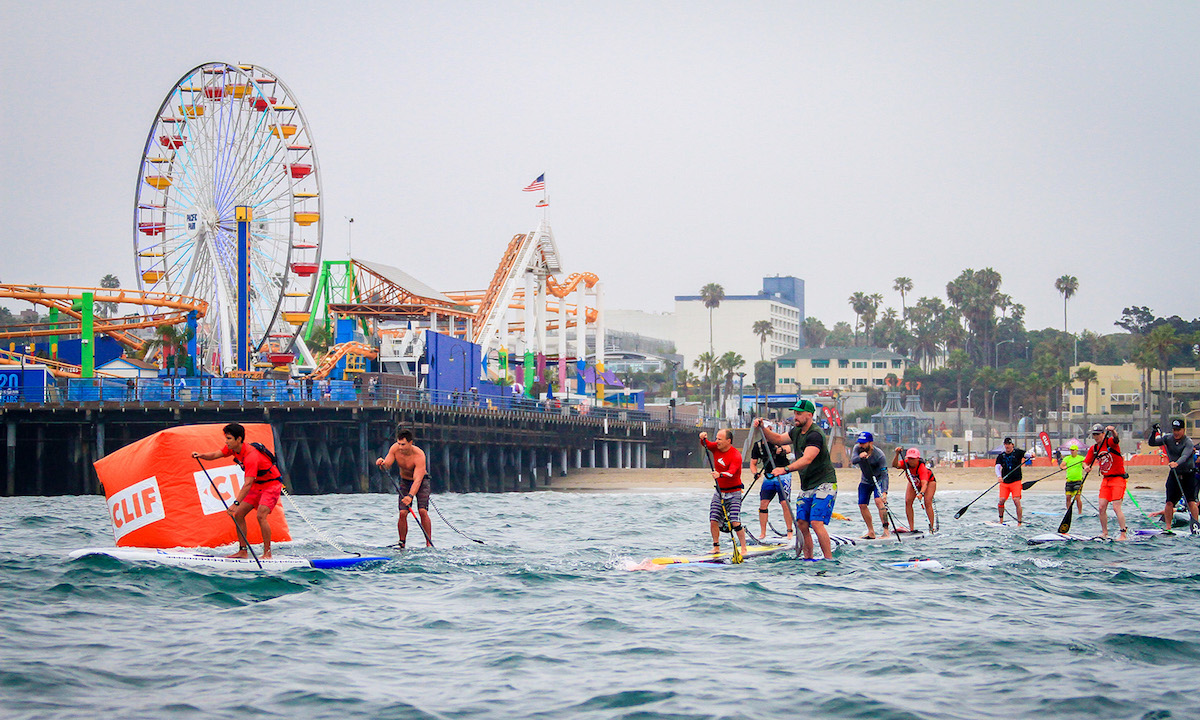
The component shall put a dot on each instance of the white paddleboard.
(923, 564)
(191, 559)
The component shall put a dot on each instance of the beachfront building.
(781, 302)
(1120, 394)
(809, 371)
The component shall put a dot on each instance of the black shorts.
(1074, 486)
(1187, 479)
(422, 494)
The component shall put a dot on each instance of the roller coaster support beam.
(87, 334)
(243, 215)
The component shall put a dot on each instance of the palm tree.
(705, 363)
(1087, 376)
(902, 285)
(858, 303)
(108, 282)
(762, 328)
(870, 313)
(1067, 285)
(815, 332)
(729, 364)
(712, 294)
(959, 363)
(1159, 343)
(171, 340)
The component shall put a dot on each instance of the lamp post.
(998, 349)
(349, 235)
(741, 394)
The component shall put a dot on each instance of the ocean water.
(545, 621)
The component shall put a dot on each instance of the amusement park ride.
(227, 228)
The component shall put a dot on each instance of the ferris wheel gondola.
(226, 136)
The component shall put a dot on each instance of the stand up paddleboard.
(1046, 538)
(915, 564)
(187, 559)
(752, 551)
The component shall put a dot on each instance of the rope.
(315, 529)
(449, 525)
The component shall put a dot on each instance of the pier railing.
(190, 392)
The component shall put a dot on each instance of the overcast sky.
(683, 143)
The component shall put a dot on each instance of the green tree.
(1087, 376)
(1067, 285)
(1160, 343)
(108, 282)
(977, 296)
(764, 376)
(763, 329)
(859, 304)
(960, 364)
(705, 364)
(903, 285)
(170, 340)
(815, 332)
(841, 336)
(728, 364)
(712, 294)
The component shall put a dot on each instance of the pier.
(328, 446)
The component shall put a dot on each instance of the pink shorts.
(264, 494)
(1010, 489)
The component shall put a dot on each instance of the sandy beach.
(949, 478)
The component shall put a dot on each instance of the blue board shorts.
(871, 488)
(732, 502)
(816, 505)
(776, 486)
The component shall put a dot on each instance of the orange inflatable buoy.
(159, 497)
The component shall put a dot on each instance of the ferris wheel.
(228, 136)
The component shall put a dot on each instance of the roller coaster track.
(56, 368)
(175, 309)
(336, 353)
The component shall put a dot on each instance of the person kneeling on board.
(772, 486)
(414, 483)
(872, 463)
(818, 479)
(726, 503)
(921, 482)
(260, 490)
(1008, 472)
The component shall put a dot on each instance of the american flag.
(537, 185)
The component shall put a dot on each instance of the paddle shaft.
(1182, 496)
(241, 534)
(1065, 526)
(737, 553)
(960, 513)
(416, 517)
(769, 461)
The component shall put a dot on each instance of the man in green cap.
(1073, 464)
(818, 479)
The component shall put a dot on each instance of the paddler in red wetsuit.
(1107, 451)
(260, 490)
(727, 498)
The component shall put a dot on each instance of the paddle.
(887, 510)
(1065, 526)
(959, 514)
(416, 517)
(1030, 483)
(241, 534)
(769, 462)
(737, 552)
(917, 488)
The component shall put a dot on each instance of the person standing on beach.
(921, 483)
(1181, 478)
(1073, 464)
(726, 502)
(772, 486)
(261, 486)
(1008, 472)
(872, 463)
(414, 483)
(1107, 453)
(818, 479)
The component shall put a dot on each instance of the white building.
(781, 303)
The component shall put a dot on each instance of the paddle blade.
(737, 555)
(1064, 527)
(1028, 484)
(960, 513)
